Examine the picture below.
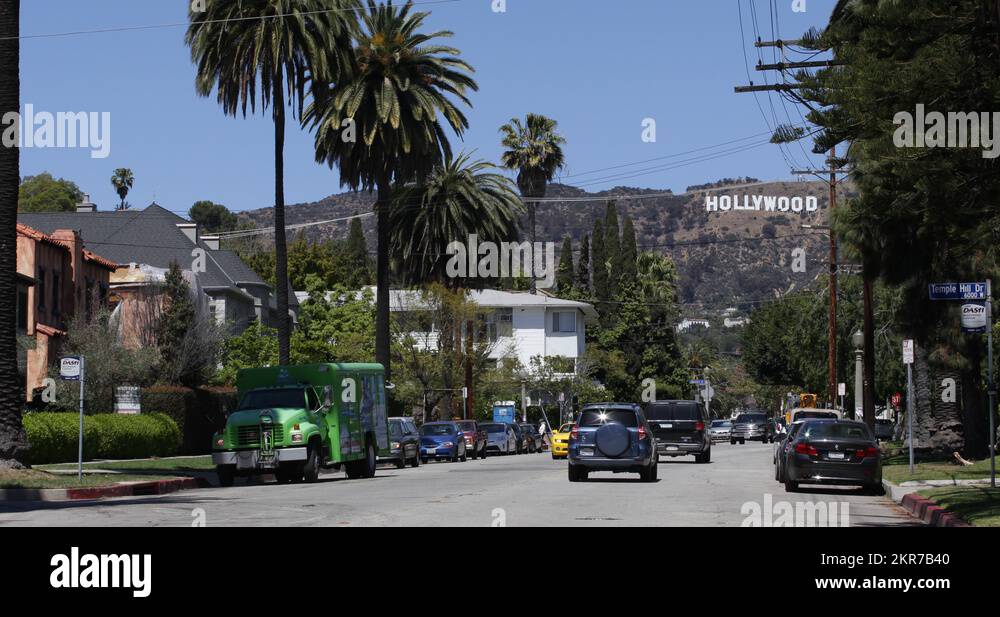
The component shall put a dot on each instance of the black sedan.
(841, 452)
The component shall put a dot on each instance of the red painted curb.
(155, 487)
(930, 512)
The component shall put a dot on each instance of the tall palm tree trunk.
(280, 240)
(531, 239)
(382, 279)
(13, 442)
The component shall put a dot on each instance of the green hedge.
(198, 413)
(54, 436)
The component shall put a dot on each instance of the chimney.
(212, 242)
(190, 230)
(86, 205)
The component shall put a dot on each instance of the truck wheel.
(416, 461)
(401, 462)
(310, 471)
(370, 461)
(227, 475)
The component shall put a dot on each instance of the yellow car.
(560, 441)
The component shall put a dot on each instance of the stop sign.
(897, 400)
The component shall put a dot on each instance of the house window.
(22, 309)
(499, 324)
(56, 292)
(41, 289)
(564, 322)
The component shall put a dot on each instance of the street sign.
(908, 351)
(697, 382)
(842, 389)
(69, 368)
(975, 317)
(959, 291)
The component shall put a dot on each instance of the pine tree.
(627, 272)
(612, 247)
(599, 263)
(583, 266)
(178, 315)
(564, 276)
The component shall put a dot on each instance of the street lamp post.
(859, 368)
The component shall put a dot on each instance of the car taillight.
(642, 433)
(868, 453)
(804, 448)
(575, 433)
(699, 426)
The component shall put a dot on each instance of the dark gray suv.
(612, 437)
(681, 429)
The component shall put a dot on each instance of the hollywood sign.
(760, 203)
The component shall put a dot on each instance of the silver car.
(500, 438)
(720, 430)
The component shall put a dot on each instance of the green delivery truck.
(294, 420)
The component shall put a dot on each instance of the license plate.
(586, 452)
(837, 456)
(431, 450)
(672, 448)
(662, 425)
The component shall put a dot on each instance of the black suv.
(681, 429)
(612, 437)
(752, 426)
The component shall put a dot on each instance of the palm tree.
(397, 85)
(458, 199)
(122, 180)
(289, 46)
(534, 151)
(13, 442)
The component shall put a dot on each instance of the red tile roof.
(94, 257)
(34, 234)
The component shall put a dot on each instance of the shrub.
(54, 436)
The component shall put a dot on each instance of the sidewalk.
(925, 509)
(122, 489)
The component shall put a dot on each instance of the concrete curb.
(124, 489)
(927, 510)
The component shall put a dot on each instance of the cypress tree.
(629, 255)
(612, 247)
(583, 266)
(599, 263)
(357, 253)
(564, 276)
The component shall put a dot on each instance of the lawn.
(34, 479)
(896, 469)
(977, 505)
(151, 465)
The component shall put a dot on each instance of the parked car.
(680, 428)
(475, 438)
(442, 440)
(522, 440)
(781, 445)
(752, 426)
(885, 430)
(612, 437)
(560, 441)
(720, 430)
(535, 441)
(842, 452)
(404, 443)
(500, 438)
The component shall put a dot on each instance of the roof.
(39, 236)
(150, 237)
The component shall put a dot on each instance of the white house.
(688, 323)
(520, 325)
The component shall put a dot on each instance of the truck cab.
(293, 421)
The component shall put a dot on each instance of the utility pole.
(832, 334)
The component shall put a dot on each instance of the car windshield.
(469, 427)
(493, 428)
(396, 429)
(684, 410)
(815, 415)
(751, 418)
(565, 428)
(721, 423)
(279, 397)
(437, 429)
(602, 416)
(529, 429)
(835, 430)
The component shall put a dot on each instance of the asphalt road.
(526, 490)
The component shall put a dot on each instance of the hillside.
(725, 258)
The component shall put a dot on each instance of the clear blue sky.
(598, 66)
